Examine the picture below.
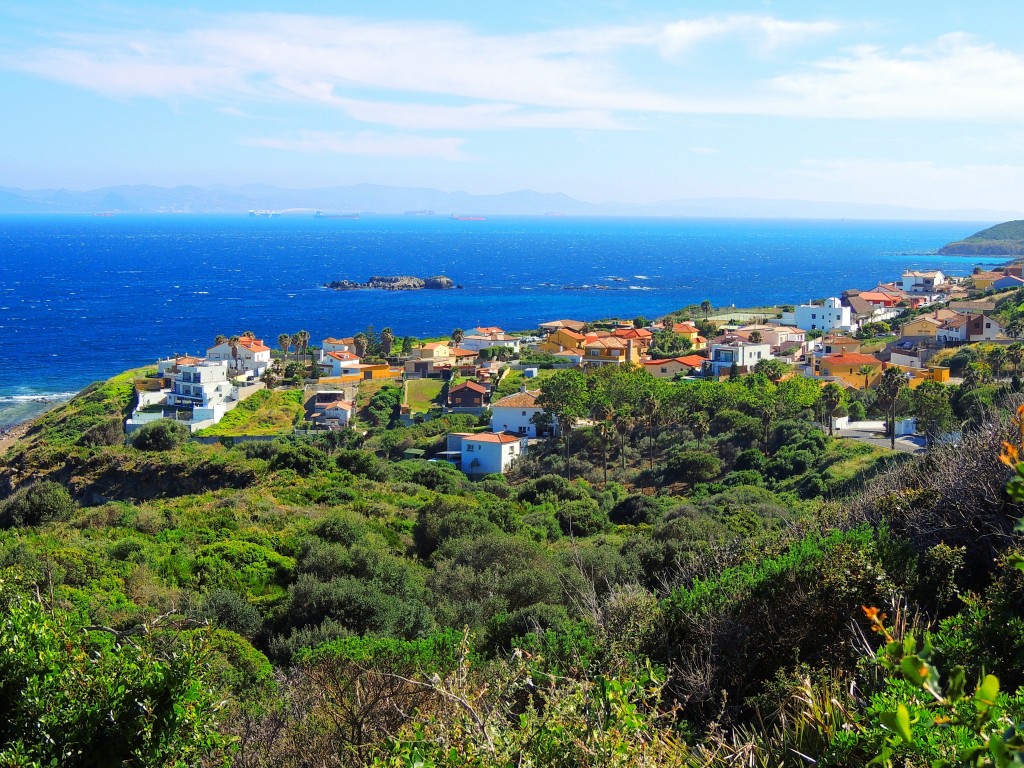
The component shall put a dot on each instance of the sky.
(912, 103)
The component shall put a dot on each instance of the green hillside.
(1002, 239)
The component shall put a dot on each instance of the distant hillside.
(1002, 239)
(388, 200)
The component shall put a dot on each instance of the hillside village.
(911, 325)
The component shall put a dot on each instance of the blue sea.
(85, 297)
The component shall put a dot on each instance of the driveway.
(873, 432)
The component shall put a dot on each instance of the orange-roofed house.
(487, 330)
(879, 299)
(435, 350)
(339, 364)
(641, 337)
(572, 325)
(674, 366)
(331, 344)
(691, 333)
(847, 366)
(609, 350)
(249, 354)
(515, 413)
(562, 340)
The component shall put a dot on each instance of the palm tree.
(219, 339)
(1015, 328)
(233, 341)
(248, 335)
(705, 307)
(996, 361)
(866, 371)
(360, 341)
(303, 337)
(756, 337)
(387, 340)
(602, 414)
(893, 380)
(699, 425)
(649, 408)
(623, 422)
(284, 341)
(831, 397)
(1015, 355)
(457, 336)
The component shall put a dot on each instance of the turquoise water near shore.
(83, 297)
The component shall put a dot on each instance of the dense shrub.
(303, 458)
(230, 610)
(362, 463)
(41, 502)
(634, 510)
(161, 435)
(581, 518)
(549, 489)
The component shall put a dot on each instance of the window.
(524, 413)
(469, 447)
(522, 430)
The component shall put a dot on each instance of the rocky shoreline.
(394, 283)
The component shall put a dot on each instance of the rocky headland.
(394, 283)
(1006, 239)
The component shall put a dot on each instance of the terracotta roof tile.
(526, 399)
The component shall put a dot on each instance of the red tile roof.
(685, 328)
(493, 437)
(344, 356)
(526, 399)
(470, 385)
(851, 358)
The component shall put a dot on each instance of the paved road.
(905, 444)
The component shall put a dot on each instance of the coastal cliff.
(394, 283)
(1006, 239)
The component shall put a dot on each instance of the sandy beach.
(12, 434)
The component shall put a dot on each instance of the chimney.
(629, 350)
(522, 388)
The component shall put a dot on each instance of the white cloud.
(956, 77)
(366, 143)
(764, 31)
(447, 76)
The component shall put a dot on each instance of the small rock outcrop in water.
(394, 283)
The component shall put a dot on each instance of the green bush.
(41, 502)
(161, 435)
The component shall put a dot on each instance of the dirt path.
(11, 435)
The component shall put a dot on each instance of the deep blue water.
(84, 297)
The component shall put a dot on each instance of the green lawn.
(267, 412)
(514, 379)
(423, 394)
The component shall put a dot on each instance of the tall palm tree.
(866, 371)
(219, 339)
(649, 408)
(387, 340)
(893, 380)
(284, 341)
(303, 343)
(705, 307)
(457, 336)
(294, 342)
(1015, 355)
(831, 397)
(997, 361)
(248, 335)
(699, 425)
(623, 422)
(602, 414)
(233, 341)
(360, 341)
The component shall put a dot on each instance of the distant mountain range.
(372, 198)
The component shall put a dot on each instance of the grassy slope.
(267, 412)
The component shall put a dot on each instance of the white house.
(831, 316)
(513, 413)
(913, 281)
(487, 453)
(743, 354)
(248, 355)
(338, 363)
(477, 341)
(336, 345)
(203, 385)
(331, 410)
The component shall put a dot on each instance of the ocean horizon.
(85, 297)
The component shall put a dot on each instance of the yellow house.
(691, 333)
(435, 350)
(562, 340)
(610, 351)
(925, 327)
(983, 280)
(846, 367)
